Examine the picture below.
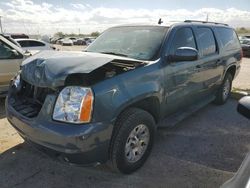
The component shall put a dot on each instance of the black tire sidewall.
(227, 77)
(128, 124)
(219, 98)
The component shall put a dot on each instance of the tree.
(95, 34)
(59, 34)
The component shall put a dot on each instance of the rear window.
(35, 43)
(207, 41)
(23, 43)
(228, 38)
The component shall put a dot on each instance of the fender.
(116, 94)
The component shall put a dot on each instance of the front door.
(182, 80)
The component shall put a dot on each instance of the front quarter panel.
(113, 95)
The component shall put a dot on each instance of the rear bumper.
(81, 144)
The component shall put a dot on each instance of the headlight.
(16, 81)
(74, 104)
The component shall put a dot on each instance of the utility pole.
(1, 24)
(207, 18)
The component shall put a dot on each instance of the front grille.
(29, 100)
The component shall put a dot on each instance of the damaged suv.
(105, 103)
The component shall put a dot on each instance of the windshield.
(141, 42)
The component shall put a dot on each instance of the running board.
(176, 118)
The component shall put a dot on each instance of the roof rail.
(198, 21)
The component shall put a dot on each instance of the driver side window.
(5, 51)
(183, 38)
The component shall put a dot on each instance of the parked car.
(34, 46)
(106, 103)
(242, 177)
(244, 37)
(81, 41)
(11, 57)
(9, 38)
(54, 40)
(74, 40)
(67, 42)
(18, 35)
(245, 44)
(89, 40)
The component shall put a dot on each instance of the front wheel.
(224, 91)
(132, 140)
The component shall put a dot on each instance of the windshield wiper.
(114, 53)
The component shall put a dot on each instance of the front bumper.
(82, 144)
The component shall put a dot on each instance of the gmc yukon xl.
(106, 103)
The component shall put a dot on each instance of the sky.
(86, 16)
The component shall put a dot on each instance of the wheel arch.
(232, 70)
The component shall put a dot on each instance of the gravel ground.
(243, 79)
(204, 150)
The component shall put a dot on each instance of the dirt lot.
(203, 151)
(243, 79)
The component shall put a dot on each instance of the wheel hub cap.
(226, 89)
(137, 143)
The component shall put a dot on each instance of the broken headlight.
(16, 81)
(74, 104)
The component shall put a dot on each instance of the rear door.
(210, 63)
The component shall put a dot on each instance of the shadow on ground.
(202, 151)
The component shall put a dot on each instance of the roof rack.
(198, 21)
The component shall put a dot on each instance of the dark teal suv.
(106, 103)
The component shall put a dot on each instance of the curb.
(238, 94)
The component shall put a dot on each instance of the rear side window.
(183, 38)
(35, 43)
(207, 41)
(228, 38)
(24, 43)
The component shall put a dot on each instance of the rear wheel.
(132, 140)
(224, 91)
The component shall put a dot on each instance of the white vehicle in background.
(89, 40)
(34, 46)
(74, 40)
(11, 57)
(67, 42)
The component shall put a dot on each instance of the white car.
(67, 42)
(11, 57)
(34, 46)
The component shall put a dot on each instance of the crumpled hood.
(50, 68)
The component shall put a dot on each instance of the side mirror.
(244, 107)
(27, 53)
(184, 54)
(14, 53)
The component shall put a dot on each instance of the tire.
(224, 91)
(133, 121)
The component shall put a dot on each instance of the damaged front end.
(48, 73)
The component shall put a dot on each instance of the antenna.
(160, 21)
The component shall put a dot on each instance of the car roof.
(177, 23)
(29, 40)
